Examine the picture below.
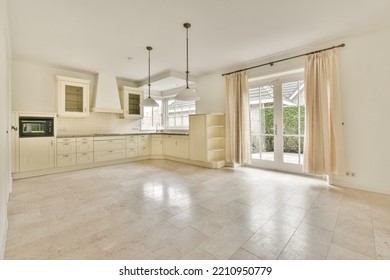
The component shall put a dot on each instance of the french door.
(277, 111)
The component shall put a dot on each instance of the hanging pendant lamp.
(187, 94)
(149, 102)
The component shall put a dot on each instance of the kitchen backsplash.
(96, 123)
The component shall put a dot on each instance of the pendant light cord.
(187, 26)
(149, 49)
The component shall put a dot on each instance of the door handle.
(276, 129)
(14, 128)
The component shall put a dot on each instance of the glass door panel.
(293, 121)
(74, 99)
(262, 122)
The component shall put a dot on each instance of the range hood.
(106, 98)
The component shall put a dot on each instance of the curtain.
(237, 119)
(323, 150)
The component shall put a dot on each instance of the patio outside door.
(277, 111)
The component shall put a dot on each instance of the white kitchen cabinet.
(207, 137)
(169, 145)
(131, 99)
(157, 146)
(182, 146)
(73, 97)
(66, 152)
(66, 146)
(36, 153)
(131, 146)
(84, 158)
(176, 146)
(66, 160)
(109, 148)
(109, 143)
(84, 150)
(84, 144)
(109, 155)
(143, 145)
(72, 151)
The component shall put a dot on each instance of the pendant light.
(187, 94)
(149, 102)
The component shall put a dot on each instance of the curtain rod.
(284, 59)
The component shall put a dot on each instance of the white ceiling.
(100, 35)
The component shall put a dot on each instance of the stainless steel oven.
(36, 126)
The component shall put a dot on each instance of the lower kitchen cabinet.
(176, 146)
(66, 160)
(157, 146)
(143, 147)
(39, 154)
(84, 150)
(131, 152)
(72, 151)
(109, 155)
(109, 148)
(36, 153)
(84, 158)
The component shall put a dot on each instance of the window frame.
(165, 115)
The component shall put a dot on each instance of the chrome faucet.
(157, 127)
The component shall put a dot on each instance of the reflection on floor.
(160, 209)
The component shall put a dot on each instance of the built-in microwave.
(36, 126)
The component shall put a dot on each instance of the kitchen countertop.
(122, 134)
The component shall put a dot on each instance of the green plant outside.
(290, 127)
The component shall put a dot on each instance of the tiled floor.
(161, 209)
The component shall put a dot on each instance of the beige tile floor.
(160, 209)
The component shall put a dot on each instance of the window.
(170, 114)
(177, 113)
(152, 116)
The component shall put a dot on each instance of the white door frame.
(277, 163)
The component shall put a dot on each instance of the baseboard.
(351, 185)
(3, 240)
(211, 164)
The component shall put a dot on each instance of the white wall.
(365, 87)
(5, 149)
(34, 86)
(211, 89)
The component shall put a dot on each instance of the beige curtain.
(237, 119)
(323, 152)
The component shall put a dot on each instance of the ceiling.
(100, 35)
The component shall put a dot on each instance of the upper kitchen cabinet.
(73, 97)
(131, 102)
